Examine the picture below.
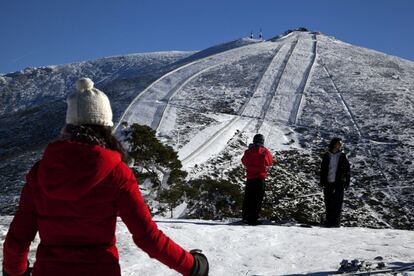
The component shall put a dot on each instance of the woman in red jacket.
(73, 196)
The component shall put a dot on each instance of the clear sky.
(46, 32)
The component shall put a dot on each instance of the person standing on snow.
(256, 159)
(335, 175)
(73, 196)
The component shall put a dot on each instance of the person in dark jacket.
(335, 176)
(73, 196)
(256, 159)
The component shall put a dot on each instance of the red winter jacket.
(256, 159)
(73, 197)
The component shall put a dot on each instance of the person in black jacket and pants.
(335, 176)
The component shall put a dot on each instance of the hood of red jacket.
(257, 149)
(69, 170)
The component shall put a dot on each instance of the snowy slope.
(299, 89)
(263, 250)
(32, 106)
(32, 95)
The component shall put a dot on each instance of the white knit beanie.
(88, 105)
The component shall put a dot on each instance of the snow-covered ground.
(265, 249)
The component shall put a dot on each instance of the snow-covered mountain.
(299, 89)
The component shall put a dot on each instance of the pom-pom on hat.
(88, 105)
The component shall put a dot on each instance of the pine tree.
(207, 198)
(152, 156)
(157, 162)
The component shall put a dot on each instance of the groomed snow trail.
(274, 81)
(148, 106)
(283, 110)
(272, 89)
(284, 104)
(167, 99)
(295, 114)
(252, 109)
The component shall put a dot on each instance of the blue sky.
(46, 32)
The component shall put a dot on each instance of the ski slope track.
(292, 80)
(282, 107)
(275, 86)
(259, 89)
(259, 103)
(148, 107)
(167, 99)
(302, 88)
